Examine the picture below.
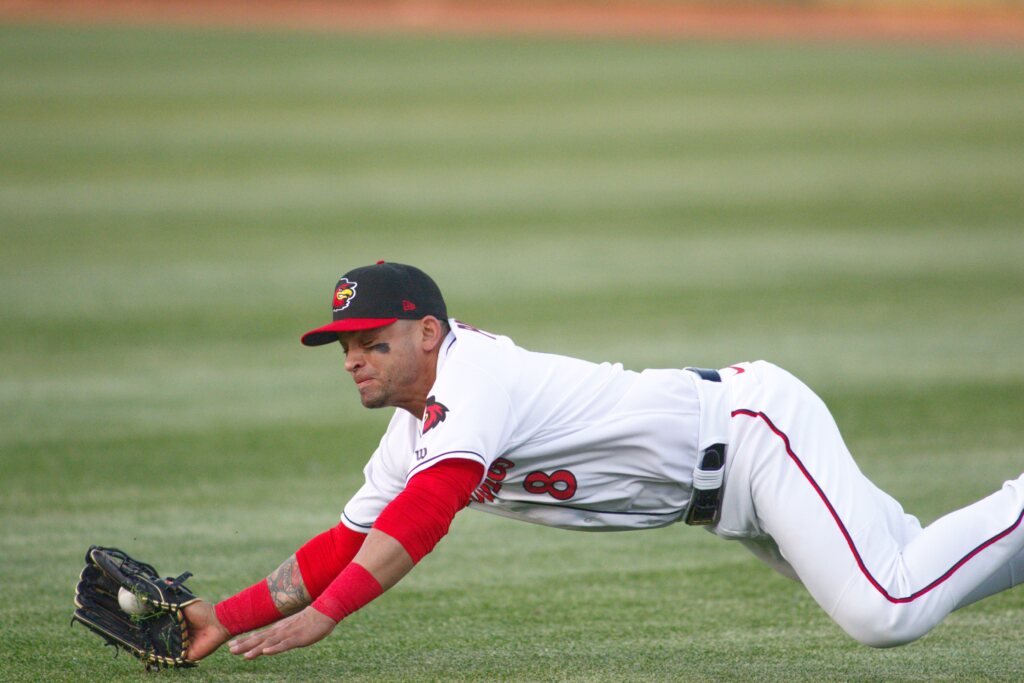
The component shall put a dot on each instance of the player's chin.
(371, 398)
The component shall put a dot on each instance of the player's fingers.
(259, 648)
(248, 643)
(253, 654)
(274, 646)
(288, 639)
(248, 650)
(279, 647)
(249, 638)
(242, 644)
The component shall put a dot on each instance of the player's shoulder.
(464, 331)
(472, 351)
(470, 342)
(400, 432)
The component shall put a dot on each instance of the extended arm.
(288, 589)
(408, 529)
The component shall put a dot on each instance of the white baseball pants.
(795, 497)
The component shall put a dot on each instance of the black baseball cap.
(378, 295)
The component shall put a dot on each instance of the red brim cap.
(329, 332)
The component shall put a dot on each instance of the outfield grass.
(175, 208)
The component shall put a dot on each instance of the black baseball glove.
(159, 634)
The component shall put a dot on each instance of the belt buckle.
(705, 505)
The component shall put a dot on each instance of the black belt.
(709, 476)
(704, 373)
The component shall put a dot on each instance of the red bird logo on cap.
(433, 414)
(343, 295)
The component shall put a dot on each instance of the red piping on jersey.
(846, 534)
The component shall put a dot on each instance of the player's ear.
(432, 331)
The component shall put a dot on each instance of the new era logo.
(408, 305)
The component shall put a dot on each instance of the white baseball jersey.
(577, 445)
(564, 442)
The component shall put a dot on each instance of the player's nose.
(353, 360)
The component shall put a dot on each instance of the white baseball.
(130, 603)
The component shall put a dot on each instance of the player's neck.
(417, 402)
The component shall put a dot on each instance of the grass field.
(176, 206)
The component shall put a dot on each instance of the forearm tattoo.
(286, 587)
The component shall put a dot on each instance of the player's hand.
(299, 630)
(205, 632)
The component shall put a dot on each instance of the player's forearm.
(341, 570)
(287, 589)
(408, 528)
(280, 594)
(382, 556)
(380, 564)
(294, 584)
(385, 558)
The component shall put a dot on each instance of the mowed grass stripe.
(287, 65)
(489, 113)
(797, 100)
(172, 88)
(785, 176)
(117, 150)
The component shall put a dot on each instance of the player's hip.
(750, 406)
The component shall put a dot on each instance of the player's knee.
(882, 625)
(881, 636)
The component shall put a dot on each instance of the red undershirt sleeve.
(325, 556)
(417, 518)
(420, 516)
(321, 559)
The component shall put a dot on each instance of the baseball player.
(747, 451)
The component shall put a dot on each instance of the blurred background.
(835, 186)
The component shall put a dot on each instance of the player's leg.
(1006, 577)
(868, 564)
(766, 550)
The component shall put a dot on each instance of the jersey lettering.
(560, 484)
(465, 326)
(492, 484)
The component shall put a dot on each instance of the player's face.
(386, 364)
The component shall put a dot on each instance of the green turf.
(174, 210)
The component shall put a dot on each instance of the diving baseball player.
(747, 451)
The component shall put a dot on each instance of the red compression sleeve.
(353, 588)
(248, 610)
(420, 515)
(417, 518)
(320, 560)
(324, 556)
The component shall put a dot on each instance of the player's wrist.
(206, 633)
(223, 633)
(248, 610)
(353, 588)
